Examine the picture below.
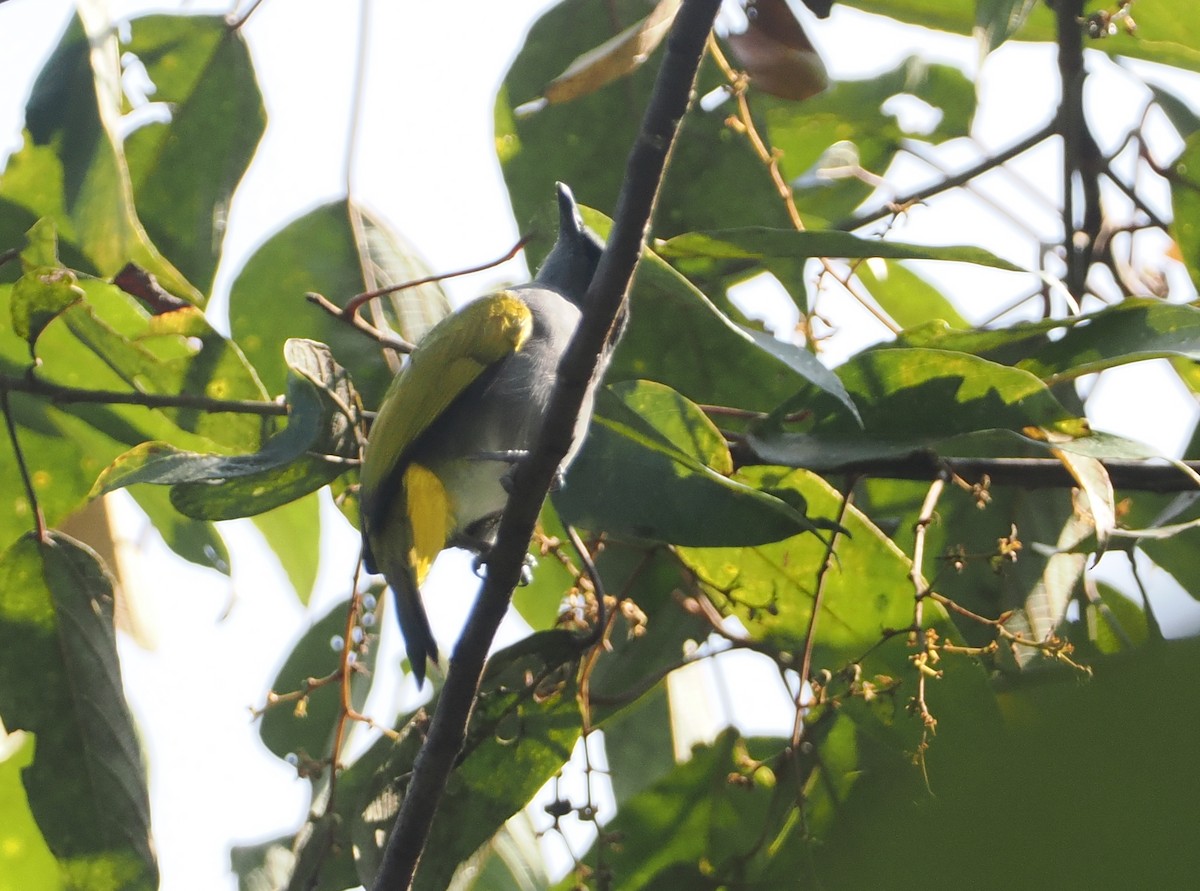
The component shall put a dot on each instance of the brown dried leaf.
(616, 57)
(777, 54)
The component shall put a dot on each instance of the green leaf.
(71, 168)
(721, 357)
(905, 296)
(194, 540)
(321, 252)
(184, 171)
(25, 861)
(1045, 605)
(1116, 624)
(306, 728)
(1167, 33)
(1130, 331)
(847, 126)
(1185, 197)
(623, 460)
(322, 434)
(45, 289)
(1178, 112)
(661, 413)
(638, 745)
(761, 243)
(293, 533)
(60, 679)
(649, 640)
(915, 400)
(771, 587)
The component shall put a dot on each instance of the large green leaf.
(25, 861)
(771, 587)
(322, 251)
(627, 457)
(1185, 196)
(184, 171)
(171, 353)
(1130, 331)
(60, 679)
(716, 361)
(71, 167)
(920, 400)
(1167, 32)
(905, 296)
(64, 448)
(1057, 746)
(293, 532)
(761, 243)
(692, 815)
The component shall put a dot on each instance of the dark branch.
(1021, 473)
(59, 393)
(605, 300)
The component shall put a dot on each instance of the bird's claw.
(479, 567)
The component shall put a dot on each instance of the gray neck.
(571, 263)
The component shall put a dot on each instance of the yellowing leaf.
(615, 58)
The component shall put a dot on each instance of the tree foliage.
(907, 540)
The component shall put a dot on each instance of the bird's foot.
(479, 567)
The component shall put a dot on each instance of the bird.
(467, 405)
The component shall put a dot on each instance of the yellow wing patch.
(449, 358)
(429, 518)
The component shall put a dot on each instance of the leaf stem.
(810, 636)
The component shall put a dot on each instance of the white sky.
(426, 163)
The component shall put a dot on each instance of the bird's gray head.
(571, 263)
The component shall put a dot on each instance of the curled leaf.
(615, 58)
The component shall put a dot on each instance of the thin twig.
(810, 636)
(354, 320)
(744, 123)
(358, 300)
(39, 519)
(589, 567)
(346, 669)
(950, 182)
(917, 574)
